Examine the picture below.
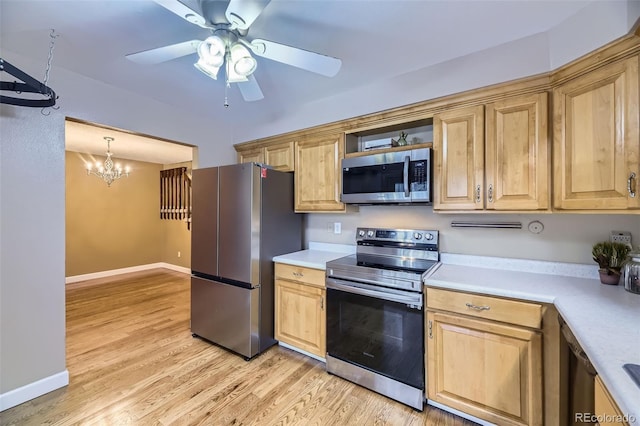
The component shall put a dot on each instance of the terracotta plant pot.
(608, 277)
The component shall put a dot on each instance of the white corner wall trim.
(176, 268)
(112, 272)
(33, 390)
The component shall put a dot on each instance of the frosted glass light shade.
(207, 69)
(242, 61)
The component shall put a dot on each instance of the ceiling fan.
(229, 48)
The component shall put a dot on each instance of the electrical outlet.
(337, 228)
(621, 237)
(179, 254)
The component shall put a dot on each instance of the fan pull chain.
(226, 72)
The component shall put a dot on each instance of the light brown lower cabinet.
(488, 369)
(300, 315)
(606, 410)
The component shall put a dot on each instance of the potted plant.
(610, 257)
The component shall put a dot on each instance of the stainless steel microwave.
(387, 178)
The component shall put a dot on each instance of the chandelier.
(106, 171)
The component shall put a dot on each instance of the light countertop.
(604, 319)
(316, 256)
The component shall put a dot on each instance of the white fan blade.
(166, 53)
(183, 11)
(250, 90)
(242, 13)
(310, 61)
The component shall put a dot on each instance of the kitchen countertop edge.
(312, 257)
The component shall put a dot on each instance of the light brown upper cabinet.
(318, 175)
(505, 169)
(517, 154)
(280, 156)
(458, 156)
(252, 155)
(596, 159)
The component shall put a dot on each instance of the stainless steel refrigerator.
(243, 215)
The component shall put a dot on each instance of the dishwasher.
(581, 379)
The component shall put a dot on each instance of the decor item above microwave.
(399, 177)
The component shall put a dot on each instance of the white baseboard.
(460, 413)
(112, 272)
(302, 351)
(176, 268)
(33, 390)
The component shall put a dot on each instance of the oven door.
(376, 328)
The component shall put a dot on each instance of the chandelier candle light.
(106, 171)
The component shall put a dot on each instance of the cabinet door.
(604, 406)
(318, 174)
(300, 316)
(255, 155)
(458, 148)
(280, 156)
(596, 159)
(517, 161)
(486, 369)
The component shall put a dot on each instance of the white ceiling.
(376, 40)
(88, 138)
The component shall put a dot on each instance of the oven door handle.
(350, 287)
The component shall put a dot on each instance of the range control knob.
(370, 233)
(417, 235)
(361, 233)
(428, 236)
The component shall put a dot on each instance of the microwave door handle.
(405, 175)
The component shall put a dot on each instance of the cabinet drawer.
(314, 277)
(509, 311)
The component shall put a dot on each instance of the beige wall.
(112, 227)
(177, 238)
(565, 238)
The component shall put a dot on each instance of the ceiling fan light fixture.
(207, 68)
(234, 77)
(211, 50)
(242, 61)
(217, 46)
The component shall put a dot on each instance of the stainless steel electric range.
(375, 317)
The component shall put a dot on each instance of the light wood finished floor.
(132, 360)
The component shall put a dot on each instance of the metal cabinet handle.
(322, 304)
(430, 329)
(490, 195)
(477, 308)
(298, 274)
(630, 185)
(478, 194)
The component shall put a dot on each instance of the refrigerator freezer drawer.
(226, 315)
